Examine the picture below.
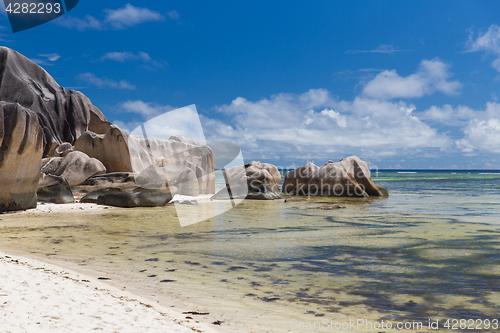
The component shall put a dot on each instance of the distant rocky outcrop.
(63, 114)
(184, 163)
(254, 180)
(348, 178)
(21, 147)
(76, 167)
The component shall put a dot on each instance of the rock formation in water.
(21, 147)
(348, 178)
(63, 114)
(254, 180)
(54, 189)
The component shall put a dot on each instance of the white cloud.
(146, 110)
(129, 16)
(432, 76)
(117, 19)
(129, 56)
(488, 42)
(173, 15)
(481, 136)
(384, 48)
(449, 115)
(105, 82)
(341, 120)
(127, 126)
(48, 59)
(460, 115)
(87, 23)
(51, 56)
(315, 125)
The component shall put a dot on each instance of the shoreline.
(38, 295)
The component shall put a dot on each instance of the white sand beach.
(40, 297)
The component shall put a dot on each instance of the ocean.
(430, 253)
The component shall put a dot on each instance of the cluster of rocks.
(254, 180)
(55, 146)
(348, 178)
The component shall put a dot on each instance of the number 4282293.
(33, 8)
(471, 324)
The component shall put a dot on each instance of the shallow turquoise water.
(430, 250)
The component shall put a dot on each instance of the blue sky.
(400, 84)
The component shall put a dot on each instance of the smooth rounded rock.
(54, 189)
(76, 167)
(21, 148)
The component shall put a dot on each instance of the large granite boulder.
(137, 197)
(54, 189)
(122, 180)
(21, 147)
(254, 180)
(110, 148)
(184, 163)
(296, 181)
(348, 178)
(63, 114)
(76, 167)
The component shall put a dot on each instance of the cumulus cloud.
(105, 82)
(46, 59)
(316, 125)
(127, 126)
(129, 16)
(129, 56)
(88, 22)
(449, 115)
(488, 41)
(432, 76)
(117, 19)
(481, 128)
(146, 110)
(384, 48)
(481, 136)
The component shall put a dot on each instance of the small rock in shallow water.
(188, 202)
(329, 207)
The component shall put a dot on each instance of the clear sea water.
(429, 251)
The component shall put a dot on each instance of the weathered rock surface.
(92, 197)
(54, 189)
(296, 180)
(146, 190)
(123, 180)
(76, 167)
(138, 197)
(63, 149)
(21, 147)
(63, 114)
(348, 178)
(184, 163)
(255, 180)
(110, 148)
